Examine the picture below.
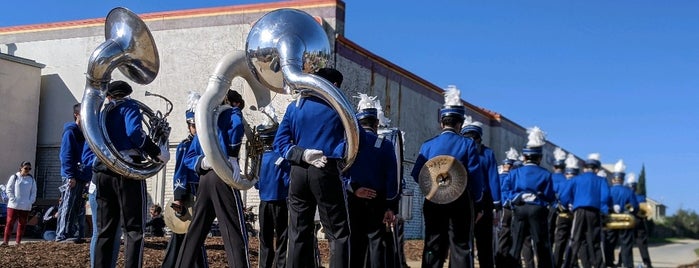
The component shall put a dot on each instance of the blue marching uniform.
(564, 221)
(375, 168)
(505, 242)
(310, 123)
(73, 202)
(589, 195)
(532, 192)
(442, 225)
(491, 199)
(215, 199)
(118, 197)
(185, 182)
(620, 197)
(273, 212)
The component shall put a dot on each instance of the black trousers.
(119, 198)
(623, 238)
(484, 239)
(532, 219)
(641, 237)
(586, 237)
(553, 215)
(368, 232)
(215, 199)
(564, 223)
(173, 249)
(274, 220)
(395, 243)
(448, 230)
(311, 187)
(502, 255)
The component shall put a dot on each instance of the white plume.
(266, 120)
(383, 120)
(467, 120)
(365, 101)
(192, 100)
(537, 137)
(512, 154)
(571, 161)
(631, 178)
(602, 173)
(559, 154)
(593, 156)
(452, 96)
(619, 166)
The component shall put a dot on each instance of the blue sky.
(616, 77)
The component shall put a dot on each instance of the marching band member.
(620, 197)
(558, 177)
(370, 182)
(311, 138)
(505, 232)
(215, 199)
(491, 195)
(119, 197)
(588, 195)
(449, 227)
(564, 221)
(274, 189)
(532, 192)
(641, 228)
(185, 182)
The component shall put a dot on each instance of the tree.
(641, 187)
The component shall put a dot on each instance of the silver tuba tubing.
(327, 92)
(130, 47)
(230, 66)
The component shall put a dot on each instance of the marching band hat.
(592, 161)
(571, 164)
(560, 158)
(508, 161)
(189, 116)
(119, 89)
(535, 143)
(510, 157)
(472, 127)
(452, 104)
(367, 113)
(619, 170)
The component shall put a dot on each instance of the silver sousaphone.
(129, 46)
(282, 49)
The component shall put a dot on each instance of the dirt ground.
(52, 254)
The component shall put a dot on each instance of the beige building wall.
(20, 81)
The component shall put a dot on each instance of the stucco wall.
(19, 106)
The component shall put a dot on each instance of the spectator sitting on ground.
(156, 225)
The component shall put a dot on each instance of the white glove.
(164, 154)
(314, 157)
(205, 164)
(617, 209)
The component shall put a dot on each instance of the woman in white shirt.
(21, 194)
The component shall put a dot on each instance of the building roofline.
(21, 60)
(177, 14)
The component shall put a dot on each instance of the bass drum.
(395, 136)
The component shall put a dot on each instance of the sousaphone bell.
(443, 179)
